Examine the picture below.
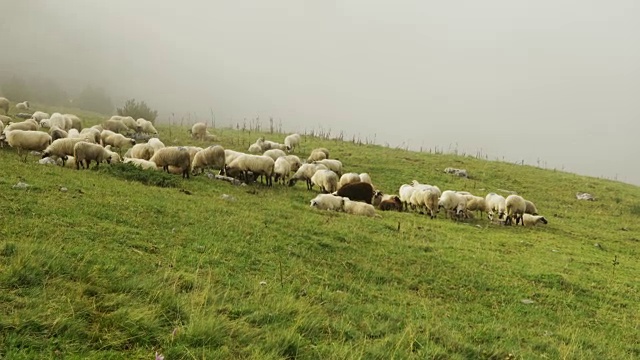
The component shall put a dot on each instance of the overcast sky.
(525, 80)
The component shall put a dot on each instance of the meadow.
(105, 264)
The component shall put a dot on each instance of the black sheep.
(359, 191)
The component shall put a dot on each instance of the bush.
(147, 177)
(138, 110)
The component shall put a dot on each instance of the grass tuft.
(132, 173)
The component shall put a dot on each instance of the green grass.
(117, 267)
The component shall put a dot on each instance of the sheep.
(198, 131)
(255, 149)
(27, 125)
(57, 133)
(281, 169)
(515, 207)
(274, 153)
(365, 177)
(92, 133)
(316, 155)
(23, 105)
(61, 148)
(173, 156)
(454, 203)
(475, 203)
(73, 133)
(532, 220)
(294, 161)
(130, 123)
(118, 141)
(333, 165)
(358, 208)
(87, 152)
(530, 208)
(155, 143)
(305, 172)
(117, 126)
(348, 178)
(495, 203)
(141, 151)
(427, 197)
(327, 202)
(58, 120)
(359, 191)
(146, 126)
(4, 104)
(6, 119)
(141, 163)
(257, 164)
(391, 204)
(76, 123)
(326, 180)
(213, 156)
(292, 141)
(230, 155)
(273, 145)
(39, 116)
(27, 140)
(192, 150)
(113, 156)
(405, 192)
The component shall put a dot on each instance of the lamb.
(530, 208)
(358, 208)
(495, 203)
(257, 164)
(141, 151)
(146, 126)
(141, 163)
(359, 191)
(274, 153)
(173, 156)
(39, 116)
(292, 141)
(255, 149)
(118, 141)
(117, 126)
(532, 220)
(27, 125)
(4, 104)
(316, 155)
(305, 172)
(348, 178)
(87, 152)
(364, 177)
(155, 143)
(61, 148)
(57, 133)
(294, 161)
(326, 180)
(213, 156)
(281, 169)
(391, 204)
(198, 131)
(76, 123)
(27, 140)
(327, 202)
(23, 105)
(515, 207)
(454, 203)
(333, 165)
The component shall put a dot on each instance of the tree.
(94, 99)
(137, 110)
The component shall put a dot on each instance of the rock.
(585, 196)
(227, 197)
(527, 301)
(35, 153)
(21, 185)
(63, 189)
(458, 172)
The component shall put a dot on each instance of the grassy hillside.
(112, 268)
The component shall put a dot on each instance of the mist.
(553, 83)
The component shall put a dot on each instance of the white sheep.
(404, 193)
(88, 152)
(365, 177)
(358, 208)
(326, 180)
(27, 125)
(173, 156)
(327, 202)
(6, 119)
(530, 208)
(316, 155)
(58, 120)
(61, 148)
(274, 153)
(213, 156)
(305, 172)
(192, 150)
(292, 141)
(91, 133)
(23, 105)
(146, 126)
(257, 164)
(255, 149)
(113, 156)
(73, 133)
(532, 220)
(454, 203)
(76, 123)
(4, 105)
(273, 145)
(155, 143)
(474, 203)
(348, 178)
(57, 133)
(198, 131)
(333, 165)
(116, 126)
(515, 208)
(27, 140)
(495, 204)
(143, 164)
(130, 123)
(118, 141)
(281, 169)
(294, 161)
(39, 116)
(141, 151)
(230, 155)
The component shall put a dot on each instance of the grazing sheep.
(39, 116)
(515, 207)
(23, 105)
(6, 119)
(476, 203)
(193, 150)
(130, 123)
(405, 192)
(273, 145)
(76, 123)
(58, 120)
(91, 133)
(198, 131)
(230, 155)
(143, 164)
(141, 151)
(61, 148)
(391, 204)
(155, 143)
(118, 141)
(27, 140)
(213, 156)
(117, 126)
(358, 208)
(27, 125)
(294, 161)
(333, 165)
(73, 133)
(113, 156)
(4, 104)
(316, 155)
(365, 177)
(255, 149)
(146, 126)
(274, 153)
(257, 164)
(348, 178)
(326, 180)
(281, 169)
(292, 141)
(87, 152)
(327, 202)
(430, 198)
(532, 220)
(359, 191)
(305, 172)
(495, 203)
(57, 133)
(530, 208)
(454, 203)
(173, 156)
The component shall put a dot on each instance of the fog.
(540, 81)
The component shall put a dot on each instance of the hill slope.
(114, 268)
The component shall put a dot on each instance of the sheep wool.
(316, 155)
(141, 163)
(39, 116)
(281, 169)
(61, 148)
(358, 208)
(365, 177)
(118, 141)
(141, 151)
(173, 156)
(294, 161)
(292, 141)
(213, 156)
(257, 164)
(274, 153)
(27, 140)
(454, 203)
(198, 131)
(515, 207)
(76, 123)
(88, 152)
(4, 105)
(327, 202)
(495, 204)
(359, 191)
(155, 143)
(348, 178)
(326, 180)
(305, 172)
(530, 208)
(23, 105)
(533, 220)
(333, 165)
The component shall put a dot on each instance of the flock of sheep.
(67, 143)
